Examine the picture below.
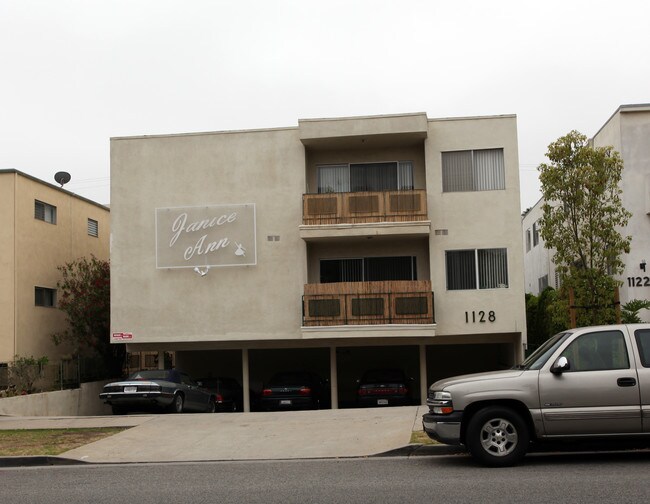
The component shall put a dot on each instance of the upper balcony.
(364, 207)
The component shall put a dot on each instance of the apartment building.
(42, 226)
(336, 246)
(628, 131)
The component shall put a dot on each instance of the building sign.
(122, 336)
(218, 235)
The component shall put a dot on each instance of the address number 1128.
(480, 317)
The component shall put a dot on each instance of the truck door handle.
(626, 382)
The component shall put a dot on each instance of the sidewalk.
(240, 436)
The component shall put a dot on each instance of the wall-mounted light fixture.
(642, 265)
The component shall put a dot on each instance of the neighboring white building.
(336, 246)
(628, 131)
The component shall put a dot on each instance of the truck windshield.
(539, 357)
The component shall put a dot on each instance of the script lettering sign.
(215, 235)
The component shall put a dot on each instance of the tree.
(85, 299)
(25, 372)
(582, 216)
(631, 309)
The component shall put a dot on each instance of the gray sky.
(75, 73)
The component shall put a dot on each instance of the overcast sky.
(75, 73)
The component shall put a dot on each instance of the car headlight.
(440, 403)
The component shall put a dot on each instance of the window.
(542, 283)
(473, 170)
(535, 234)
(44, 296)
(528, 241)
(643, 342)
(485, 268)
(368, 269)
(93, 228)
(361, 177)
(44, 212)
(598, 351)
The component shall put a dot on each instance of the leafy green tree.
(85, 298)
(582, 216)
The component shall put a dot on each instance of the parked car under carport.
(159, 389)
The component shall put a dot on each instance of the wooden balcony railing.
(360, 207)
(368, 303)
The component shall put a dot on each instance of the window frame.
(95, 224)
(457, 184)
(404, 171)
(477, 269)
(48, 297)
(48, 212)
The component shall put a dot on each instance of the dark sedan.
(166, 389)
(384, 387)
(228, 393)
(294, 390)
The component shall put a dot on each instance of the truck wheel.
(497, 436)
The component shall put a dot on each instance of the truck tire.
(497, 436)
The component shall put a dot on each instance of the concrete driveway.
(240, 436)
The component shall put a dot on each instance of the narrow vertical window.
(93, 228)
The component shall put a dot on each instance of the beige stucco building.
(335, 246)
(628, 132)
(42, 226)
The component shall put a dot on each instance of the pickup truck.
(585, 383)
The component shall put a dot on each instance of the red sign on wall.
(122, 336)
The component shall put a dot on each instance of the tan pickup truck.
(591, 382)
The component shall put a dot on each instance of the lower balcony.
(368, 303)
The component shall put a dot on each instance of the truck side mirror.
(561, 365)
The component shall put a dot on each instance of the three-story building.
(335, 247)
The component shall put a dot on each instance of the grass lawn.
(24, 442)
(419, 437)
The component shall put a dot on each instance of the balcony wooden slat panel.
(369, 303)
(365, 207)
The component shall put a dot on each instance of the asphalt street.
(543, 478)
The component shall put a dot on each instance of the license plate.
(285, 402)
(382, 402)
(130, 389)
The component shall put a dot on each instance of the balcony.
(364, 207)
(368, 303)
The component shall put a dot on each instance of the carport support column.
(161, 359)
(245, 380)
(334, 382)
(424, 385)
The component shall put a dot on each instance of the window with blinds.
(473, 170)
(472, 269)
(44, 212)
(93, 228)
(366, 177)
(368, 269)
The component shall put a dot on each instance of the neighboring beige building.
(628, 132)
(42, 226)
(336, 246)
